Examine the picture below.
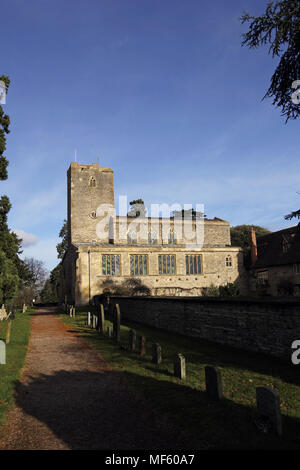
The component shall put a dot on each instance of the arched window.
(172, 237)
(228, 260)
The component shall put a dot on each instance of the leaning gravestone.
(213, 383)
(179, 366)
(117, 323)
(268, 409)
(2, 352)
(142, 345)
(156, 353)
(101, 320)
(132, 340)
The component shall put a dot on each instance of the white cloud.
(28, 239)
(44, 250)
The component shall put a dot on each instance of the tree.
(9, 279)
(11, 267)
(63, 245)
(4, 129)
(38, 274)
(47, 294)
(241, 236)
(292, 215)
(280, 28)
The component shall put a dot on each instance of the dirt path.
(68, 398)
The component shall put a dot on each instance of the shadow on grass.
(89, 410)
(199, 351)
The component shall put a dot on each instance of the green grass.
(15, 357)
(225, 424)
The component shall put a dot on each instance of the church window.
(138, 265)
(166, 264)
(193, 264)
(111, 265)
(228, 261)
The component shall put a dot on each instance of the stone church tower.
(88, 187)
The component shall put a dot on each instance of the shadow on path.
(89, 410)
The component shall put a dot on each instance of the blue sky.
(163, 91)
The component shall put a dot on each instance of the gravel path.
(69, 398)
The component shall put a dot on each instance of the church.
(179, 255)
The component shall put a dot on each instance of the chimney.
(253, 247)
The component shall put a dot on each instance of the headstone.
(2, 352)
(24, 308)
(213, 383)
(268, 408)
(71, 310)
(117, 323)
(8, 331)
(156, 353)
(132, 340)
(179, 366)
(88, 320)
(109, 331)
(142, 345)
(94, 321)
(101, 320)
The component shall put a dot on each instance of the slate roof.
(270, 248)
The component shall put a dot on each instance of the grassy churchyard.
(15, 357)
(228, 423)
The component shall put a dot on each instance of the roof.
(270, 251)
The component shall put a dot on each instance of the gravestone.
(213, 383)
(71, 310)
(132, 340)
(142, 345)
(117, 323)
(94, 321)
(89, 322)
(8, 332)
(179, 366)
(101, 321)
(109, 331)
(2, 352)
(268, 409)
(156, 353)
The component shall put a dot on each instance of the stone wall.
(257, 325)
